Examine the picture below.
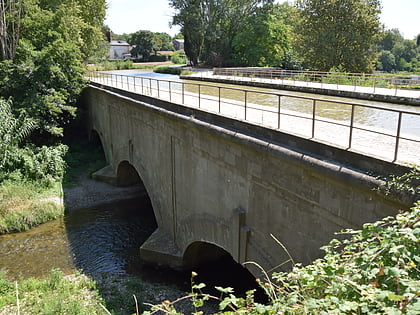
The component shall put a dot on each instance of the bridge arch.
(216, 267)
(127, 175)
(199, 252)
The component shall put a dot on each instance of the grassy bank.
(26, 204)
(125, 65)
(56, 294)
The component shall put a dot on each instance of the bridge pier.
(160, 248)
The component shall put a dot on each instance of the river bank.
(115, 291)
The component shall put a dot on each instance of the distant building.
(178, 44)
(119, 49)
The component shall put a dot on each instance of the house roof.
(164, 52)
(119, 43)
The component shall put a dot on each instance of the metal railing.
(276, 110)
(333, 80)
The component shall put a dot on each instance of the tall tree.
(10, 24)
(264, 38)
(209, 26)
(144, 44)
(338, 33)
(45, 75)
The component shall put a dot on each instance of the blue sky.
(128, 16)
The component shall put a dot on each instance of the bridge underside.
(238, 186)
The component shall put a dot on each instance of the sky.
(129, 16)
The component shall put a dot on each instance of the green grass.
(56, 294)
(25, 205)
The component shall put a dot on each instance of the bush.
(179, 58)
(168, 70)
(375, 271)
(158, 58)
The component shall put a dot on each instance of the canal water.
(333, 114)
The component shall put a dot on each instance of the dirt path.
(89, 193)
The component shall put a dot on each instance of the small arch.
(127, 175)
(216, 267)
(199, 253)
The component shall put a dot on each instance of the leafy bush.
(375, 271)
(169, 70)
(179, 58)
(28, 163)
(158, 58)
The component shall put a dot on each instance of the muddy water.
(97, 240)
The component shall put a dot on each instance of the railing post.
(246, 94)
(351, 126)
(150, 87)
(374, 84)
(278, 117)
(183, 93)
(313, 117)
(128, 84)
(199, 96)
(170, 94)
(135, 88)
(397, 140)
(157, 83)
(219, 101)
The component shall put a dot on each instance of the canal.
(292, 112)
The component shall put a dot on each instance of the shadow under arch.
(216, 267)
(127, 175)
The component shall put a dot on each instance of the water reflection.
(103, 239)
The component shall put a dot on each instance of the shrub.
(375, 271)
(179, 58)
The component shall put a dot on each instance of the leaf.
(224, 290)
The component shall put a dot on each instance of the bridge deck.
(391, 145)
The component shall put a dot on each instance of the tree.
(338, 33)
(164, 41)
(144, 44)
(264, 39)
(397, 53)
(45, 75)
(209, 26)
(10, 24)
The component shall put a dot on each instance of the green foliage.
(337, 33)
(12, 131)
(57, 294)
(45, 75)
(179, 58)
(408, 183)
(397, 53)
(145, 44)
(373, 271)
(209, 27)
(83, 157)
(167, 69)
(25, 205)
(263, 41)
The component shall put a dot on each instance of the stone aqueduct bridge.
(225, 182)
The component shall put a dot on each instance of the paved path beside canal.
(411, 97)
